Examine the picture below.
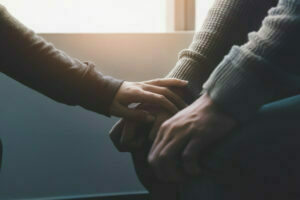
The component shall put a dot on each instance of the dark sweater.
(31, 60)
(256, 70)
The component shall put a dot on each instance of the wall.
(51, 149)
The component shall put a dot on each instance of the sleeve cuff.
(235, 90)
(192, 71)
(98, 91)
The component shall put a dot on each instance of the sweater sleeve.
(264, 69)
(31, 60)
(226, 25)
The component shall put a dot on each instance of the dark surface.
(53, 150)
(121, 196)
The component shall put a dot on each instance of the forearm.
(227, 23)
(29, 59)
(266, 68)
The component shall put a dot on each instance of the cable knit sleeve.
(264, 69)
(31, 60)
(227, 23)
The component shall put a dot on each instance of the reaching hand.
(131, 136)
(183, 137)
(154, 92)
(157, 188)
(137, 138)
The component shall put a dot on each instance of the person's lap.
(257, 161)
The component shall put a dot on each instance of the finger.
(156, 99)
(167, 93)
(116, 133)
(154, 130)
(191, 156)
(166, 135)
(132, 114)
(158, 143)
(154, 152)
(165, 165)
(160, 118)
(168, 82)
(163, 158)
(170, 165)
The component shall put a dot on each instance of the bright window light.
(202, 8)
(90, 16)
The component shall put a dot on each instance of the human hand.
(131, 136)
(139, 157)
(183, 137)
(154, 92)
(157, 188)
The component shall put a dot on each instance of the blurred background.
(53, 150)
(109, 16)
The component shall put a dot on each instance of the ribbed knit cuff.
(234, 89)
(192, 71)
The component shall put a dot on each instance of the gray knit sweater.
(243, 73)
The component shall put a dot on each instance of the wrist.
(205, 103)
(184, 93)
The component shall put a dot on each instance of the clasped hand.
(179, 139)
(155, 92)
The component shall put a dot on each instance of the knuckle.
(165, 125)
(139, 91)
(160, 97)
(158, 81)
(152, 160)
(165, 91)
(143, 86)
(158, 160)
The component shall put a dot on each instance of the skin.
(148, 92)
(131, 135)
(139, 152)
(137, 138)
(183, 137)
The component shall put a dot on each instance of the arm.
(212, 42)
(248, 77)
(264, 69)
(227, 23)
(36, 63)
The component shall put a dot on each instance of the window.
(90, 16)
(105, 16)
(202, 8)
(53, 150)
